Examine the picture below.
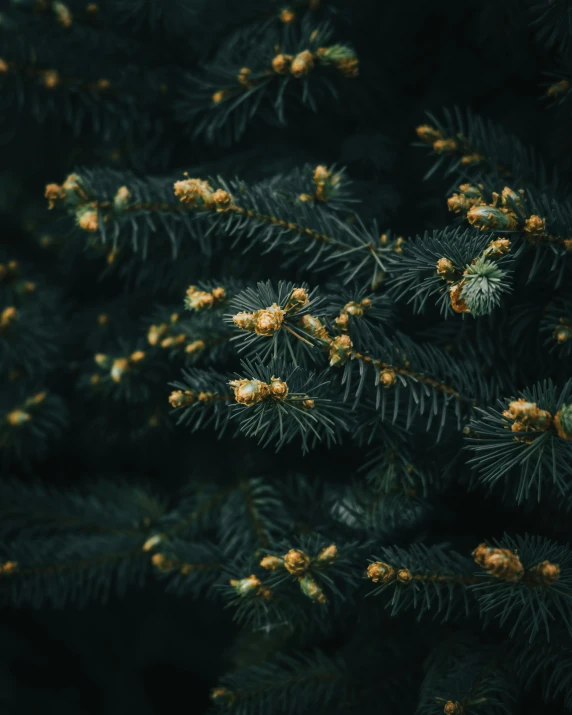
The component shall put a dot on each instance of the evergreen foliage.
(285, 402)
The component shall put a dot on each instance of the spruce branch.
(527, 440)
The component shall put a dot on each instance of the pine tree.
(285, 336)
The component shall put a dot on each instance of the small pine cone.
(327, 555)
(246, 586)
(278, 389)
(404, 576)
(380, 572)
(281, 64)
(249, 392)
(353, 308)
(534, 226)
(272, 563)
(497, 248)
(196, 299)
(296, 562)
(500, 563)
(428, 134)
(221, 199)
(88, 221)
(458, 204)
(387, 377)
(298, 300)
(310, 588)
(563, 422)
(178, 398)
(314, 327)
(219, 293)
(268, 321)
(444, 146)
(446, 269)
(452, 707)
(340, 350)
(245, 321)
(490, 218)
(308, 404)
(545, 573)
(194, 192)
(457, 302)
(302, 64)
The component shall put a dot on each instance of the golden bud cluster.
(340, 350)
(527, 417)
(299, 565)
(200, 194)
(251, 392)
(500, 563)
(266, 321)
(197, 299)
(298, 299)
(357, 310)
(314, 327)
(380, 572)
(250, 586)
(302, 64)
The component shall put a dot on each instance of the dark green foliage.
(285, 428)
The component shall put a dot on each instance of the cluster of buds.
(71, 192)
(326, 183)
(341, 57)
(527, 417)
(298, 299)
(495, 250)
(469, 195)
(266, 321)
(340, 350)
(314, 327)
(196, 299)
(353, 308)
(251, 392)
(178, 398)
(118, 367)
(395, 245)
(380, 572)
(500, 563)
(8, 567)
(299, 565)
(388, 377)
(251, 586)
(449, 145)
(199, 194)
(164, 564)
